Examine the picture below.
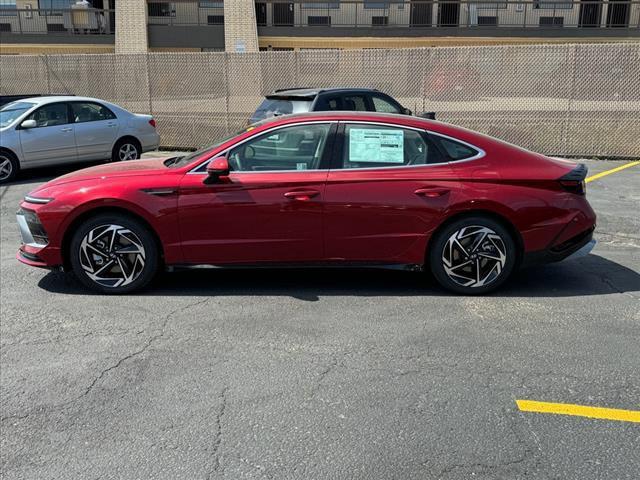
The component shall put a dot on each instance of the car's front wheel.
(9, 167)
(473, 255)
(113, 253)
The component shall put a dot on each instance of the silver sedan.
(45, 131)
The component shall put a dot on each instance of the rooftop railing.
(67, 21)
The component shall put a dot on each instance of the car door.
(96, 128)
(52, 140)
(270, 207)
(388, 186)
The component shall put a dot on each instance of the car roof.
(312, 92)
(348, 115)
(60, 98)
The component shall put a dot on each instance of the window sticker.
(376, 146)
(301, 166)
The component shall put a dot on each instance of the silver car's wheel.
(474, 256)
(112, 256)
(128, 151)
(7, 168)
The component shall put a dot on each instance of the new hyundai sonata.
(46, 131)
(329, 189)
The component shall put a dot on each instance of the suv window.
(273, 107)
(355, 103)
(298, 147)
(383, 105)
(455, 150)
(374, 146)
(51, 115)
(328, 103)
(90, 112)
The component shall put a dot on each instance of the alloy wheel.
(474, 256)
(6, 168)
(112, 256)
(127, 151)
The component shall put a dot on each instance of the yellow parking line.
(609, 172)
(579, 410)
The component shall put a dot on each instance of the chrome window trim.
(194, 171)
(481, 153)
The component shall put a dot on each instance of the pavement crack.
(150, 342)
(218, 437)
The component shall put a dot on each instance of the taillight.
(152, 122)
(574, 180)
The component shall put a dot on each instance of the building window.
(211, 4)
(5, 8)
(318, 21)
(551, 21)
(491, 6)
(321, 6)
(162, 9)
(553, 4)
(53, 4)
(215, 19)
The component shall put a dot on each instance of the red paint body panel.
(384, 215)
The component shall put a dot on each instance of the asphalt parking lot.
(325, 374)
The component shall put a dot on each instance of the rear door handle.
(111, 124)
(68, 129)
(302, 195)
(431, 192)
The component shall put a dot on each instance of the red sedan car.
(331, 189)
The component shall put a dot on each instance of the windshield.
(9, 113)
(273, 107)
(186, 159)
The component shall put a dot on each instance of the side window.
(90, 112)
(455, 150)
(382, 105)
(328, 103)
(298, 147)
(51, 115)
(373, 146)
(354, 103)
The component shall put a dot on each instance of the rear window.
(455, 150)
(274, 107)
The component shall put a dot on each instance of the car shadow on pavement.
(592, 275)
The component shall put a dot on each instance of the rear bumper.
(579, 245)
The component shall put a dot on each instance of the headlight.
(38, 200)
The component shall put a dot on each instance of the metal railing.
(58, 21)
(450, 14)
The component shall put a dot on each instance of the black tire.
(473, 255)
(133, 248)
(9, 166)
(127, 144)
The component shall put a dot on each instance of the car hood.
(113, 170)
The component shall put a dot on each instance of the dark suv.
(299, 100)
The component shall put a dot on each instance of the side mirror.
(218, 167)
(406, 111)
(28, 124)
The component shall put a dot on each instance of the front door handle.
(68, 129)
(431, 192)
(302, 195)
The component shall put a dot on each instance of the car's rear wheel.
(126, 149)
(473, 255)
(113, 253)
(9, 167)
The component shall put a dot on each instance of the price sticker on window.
(368, 145)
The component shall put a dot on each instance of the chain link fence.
(578, 100)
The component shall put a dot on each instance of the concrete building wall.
(131, 26)
(240, 28)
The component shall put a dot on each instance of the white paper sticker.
(301, 166)
(376, 145)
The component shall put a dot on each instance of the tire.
(473, 255)
(126, 149)
(133, 257)
(9, 166)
